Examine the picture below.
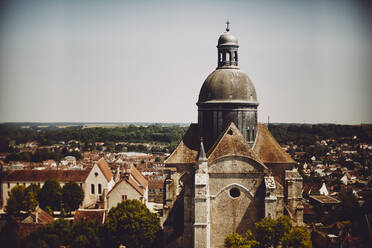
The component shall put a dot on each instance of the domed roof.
(227, 39)
(228, 85)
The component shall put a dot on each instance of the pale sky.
(145, 61)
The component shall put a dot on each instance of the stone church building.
(228, 171)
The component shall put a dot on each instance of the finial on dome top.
(227, 25)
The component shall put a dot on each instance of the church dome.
(228, 85)
(227, 39)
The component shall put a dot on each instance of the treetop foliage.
(132, 224)
(50, 195)
(271, 233)
(72, 196)
(307, 134)
(131, 133)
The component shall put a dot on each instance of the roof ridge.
(219, 139)
(268, 148)
(237, 141)
(105, 169)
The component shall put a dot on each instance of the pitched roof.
(268, 149)
(187, 150)
(137, 175)
(44, 175)
(104, 167)
(97, 215)
(43, 217)
(326, 199)
(231, 142)
(131, 182)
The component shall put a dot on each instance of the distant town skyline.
(145, 61)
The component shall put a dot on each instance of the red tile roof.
(131, 182)
(44, 175)
(103, 165)
(156, 184)
(268, 149)
(187, 150)
(231, 142)
(89, 214)
(325, 199)
(137, 175)
(43, 217)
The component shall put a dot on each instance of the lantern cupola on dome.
(227, 50)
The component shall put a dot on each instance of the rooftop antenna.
(227, 25)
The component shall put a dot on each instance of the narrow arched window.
(236, 56)
(228, 56)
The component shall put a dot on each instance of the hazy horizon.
(145, 61)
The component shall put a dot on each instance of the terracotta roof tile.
(187, 150)
(43, 217)
(268, 149)
(135, 185)
(138, 176)
(325, 199)
(131, 182)
(44, 175)
(156, 184)
(91, 214)
(231, 142)
(103, 165)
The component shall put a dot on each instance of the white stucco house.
(131, 185)
(93, 181)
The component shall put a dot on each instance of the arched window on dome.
(228, 56)
(248, 134)
(220, 57)
(236, 56)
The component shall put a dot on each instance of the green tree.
(15, 202)
(30, 197)
(72, 196)
(86, 234)
(270, 231)
(30, 201)
(50, 195)
(131, 223)
(33, 188)
(298, 237)
(235, 240)
(55, 234)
